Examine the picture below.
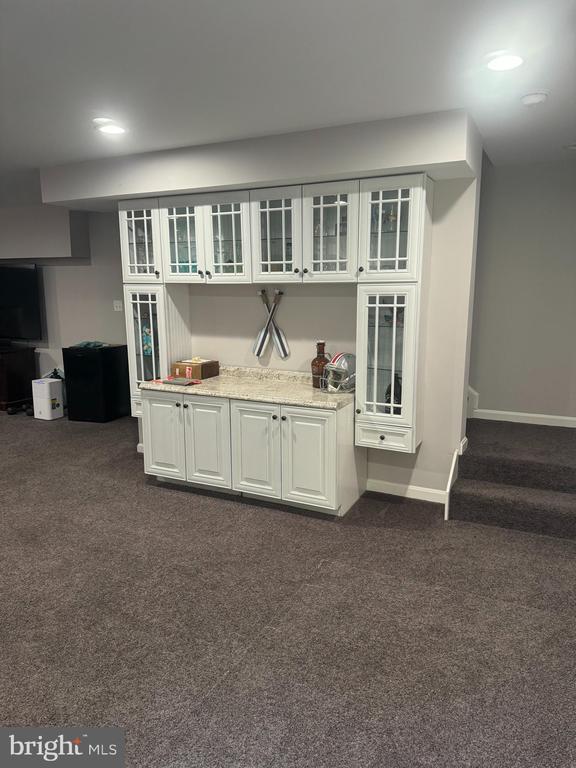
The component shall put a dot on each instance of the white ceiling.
(183, 72)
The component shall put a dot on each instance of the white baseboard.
(407, 491)
(473, 400)
(545, 419)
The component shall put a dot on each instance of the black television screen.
(20, 316)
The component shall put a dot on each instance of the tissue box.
(195, 369)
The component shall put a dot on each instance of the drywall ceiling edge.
(442, 144)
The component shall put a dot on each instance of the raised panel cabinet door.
(386, 353)
(309, 456)
(227, 238)
(330, 231)
(182, 234)
(144, 309)
(256, 448)
(140, 242)
(208, 459)
(276, 224)
(392, 215)
(163, 428)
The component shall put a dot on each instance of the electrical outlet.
(117, 304)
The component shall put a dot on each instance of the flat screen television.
(20, 310)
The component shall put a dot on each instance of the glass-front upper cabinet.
(391, 228)
(140, 241)
(386, 353)
(330, 231)
(276, 220)
(182, 232)
(146, 334)
(227, 238)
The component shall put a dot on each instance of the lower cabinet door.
(163, 428)
(207, 422)
(256, 462)
(309, 456)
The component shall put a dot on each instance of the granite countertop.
(261, 385)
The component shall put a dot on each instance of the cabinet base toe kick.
(297, 456)
(269, 501)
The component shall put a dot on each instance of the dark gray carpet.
(518, 476)
(222, 634)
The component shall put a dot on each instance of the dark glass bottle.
(318, 365)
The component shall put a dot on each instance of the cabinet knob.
(185, 405)
(283, 418)
(274, 417)
(360, 269)
(208, 273)
(200, 273)
(296, 271)
(305, 270)
(178, 405)
(358, 410)
(157, 273)
(382, 437)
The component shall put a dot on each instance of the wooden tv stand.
(17, 369)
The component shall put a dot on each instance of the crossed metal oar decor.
(270, 328)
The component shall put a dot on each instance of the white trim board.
(407, 491)
(545, 419)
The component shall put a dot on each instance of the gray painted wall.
(523, 354)
(79, 293)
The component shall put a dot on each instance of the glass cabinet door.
(182, 224)
(330, 216)
(386, 349)
(276, 221)
(144, 307)
(140, 241)
(391, 228)
(228, 238)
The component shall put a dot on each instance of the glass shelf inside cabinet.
(385, 354)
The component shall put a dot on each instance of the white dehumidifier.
(47, 395)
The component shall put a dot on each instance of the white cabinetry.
(227, 238)
(256, 449)
(182, 235)
(144, 307)
(330, 231)
(285, 452)
(206, 238)
(140, 243)
(392, 217)
(163, 426)
(302, 456)
(394, 252)
(276, 221)
(207, 439)
(187, 438)
(309, 456)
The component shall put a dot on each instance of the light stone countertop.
(263, 385)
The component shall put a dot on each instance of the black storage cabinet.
(97, 383)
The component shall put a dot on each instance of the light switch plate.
(117, 304)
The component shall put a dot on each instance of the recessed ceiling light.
(538, 97)
(102, 120)
(111, 129)
(501, 61)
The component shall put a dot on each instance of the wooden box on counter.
(195, 369)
